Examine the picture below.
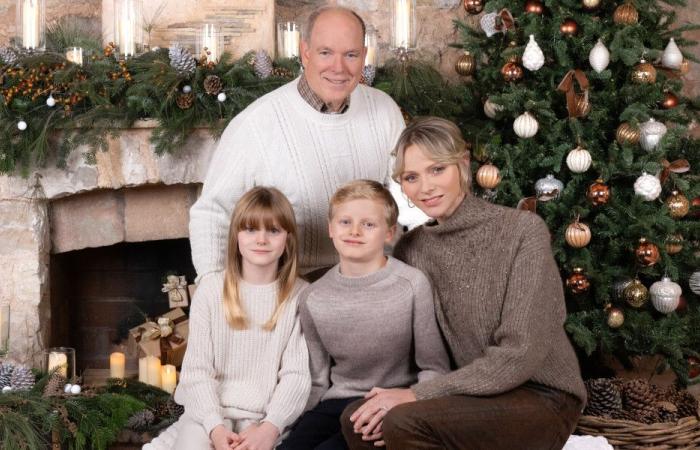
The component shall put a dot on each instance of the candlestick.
(117, 362)
(404, 21)
(4, 329)
(149, 370)
(30, 21)
(75, 55)
(168, 378)
(288, 38)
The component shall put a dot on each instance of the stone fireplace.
(86, 246)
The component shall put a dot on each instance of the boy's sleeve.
(319, 359)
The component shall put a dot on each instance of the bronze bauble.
(578, 283)
(636, 294)
(590, 5)
(674, 243)
(569, 27)
(678, 205)
(598, 193)
(466, 64)
(626, 14)
(627, 134)
(647, 253)
(583, 105)
(512, 71)
(577, 234)
(643, 73)
(488, 176)
(474, 6)
(670, 100)
(615, 317)
(534, 7)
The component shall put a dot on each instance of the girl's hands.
(223, 439)
(262, 436)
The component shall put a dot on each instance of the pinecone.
(8, 55)
(55, 385)
(22, 379)
(141, 421)
(174, 410)
(182, 60)
(5, 374)
(262, 64)
(603, 397)
(212, 85)
(667, 411)
(282, 72)
(687, 404)
(185, 101)
(368, 74)
(639, 398)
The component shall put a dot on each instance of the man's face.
(334, 56)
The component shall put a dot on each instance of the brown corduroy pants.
(530, 417)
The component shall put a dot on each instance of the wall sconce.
(31, 23)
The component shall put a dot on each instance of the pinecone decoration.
(667, 412)
(212, 85)
(182, 60)
(368, 74)
(639, 398)
(687, 404)
(262, 64)
(8, 55)
(174, 410)
(603, 398)
(22, 379)
(141, 421)
(5, 374)
(185, 101)
(55, 385)
(282, 72)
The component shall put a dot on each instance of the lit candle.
(127, 29)
(30, 23)
(169, 378)
(117, 361)
(75, 55)
(402, 23)
(58, 361)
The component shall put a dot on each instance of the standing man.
(305, 138)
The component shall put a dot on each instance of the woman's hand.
(368, 418)
(223, 439)
(262, 436)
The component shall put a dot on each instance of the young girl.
(245, 377)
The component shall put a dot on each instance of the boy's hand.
(223, 439)
(261, 436)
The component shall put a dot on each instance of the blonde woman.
(245, 376)
(499, 302)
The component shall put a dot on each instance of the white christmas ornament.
(50, 102)
(525, 126)
(21, 125)
(533, 58)
(221, 97)
(694, 282)
(6, 389)
(665, 295)
(491, 109)
(672, 56)
(75, 389)
(648, 187)
(488, 24)
(650, 133)
(578, 160)
(186, 89)
(599, 57)
(67, 388)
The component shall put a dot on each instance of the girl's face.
(261, 248)
(434, 187)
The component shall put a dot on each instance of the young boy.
(368, 322)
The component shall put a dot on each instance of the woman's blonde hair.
(260, 208)
(440, 140)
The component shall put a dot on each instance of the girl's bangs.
(262, 217)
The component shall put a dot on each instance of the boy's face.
(359, 231)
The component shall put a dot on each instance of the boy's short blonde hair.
(366, 190)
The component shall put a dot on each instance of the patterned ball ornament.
(626, 14)
(491, 109)
(627, 134)
(534, 7)
(466, 64)
(598, 193)
(647, 253)
(525, 125)
(636, 294)
(678, 205)
(665, 295)
(578, 234)
(488, 176)
(674, 243)
(548, 188)
(648, 187)
(474, 6)
(578, 282)
(512, 71)
(643, 73)
(615, 317)
(568, 27)
(579, 160)
(694, 282)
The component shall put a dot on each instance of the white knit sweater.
(244, 374)
(281, 141)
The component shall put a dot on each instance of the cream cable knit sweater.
(281, 141)
(244, 374)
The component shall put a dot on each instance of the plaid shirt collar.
(315, 101)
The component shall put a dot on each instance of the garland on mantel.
(43, 93)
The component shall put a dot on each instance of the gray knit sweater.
(499, 301)
(375, 330)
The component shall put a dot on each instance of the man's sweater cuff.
(211, 421)
(278, 420)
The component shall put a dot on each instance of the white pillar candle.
(210, 42)
(127, 29)
(59, 361)
(30, 23)
(169, 378)
(153, 369)
(75, 55)
(143, 370)
(117, 362)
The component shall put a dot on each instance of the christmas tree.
(584, 121)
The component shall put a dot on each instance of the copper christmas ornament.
(578, 283)
(626, 14)
(678, 205)
(636, 294)
(647, 253)
(488, 176)
(674, 243)
(643, 73)
(534, 7)
(615, 317)
(578, 235)
(670, 100)
(569, 27)
(466, 64)
(512, 71)
(474, 6)
(598, 193)
(627, 134)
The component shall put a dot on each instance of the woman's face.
(434, 187)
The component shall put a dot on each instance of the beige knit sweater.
(499, 301)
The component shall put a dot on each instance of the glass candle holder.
(128, 27)
(4, 329)
(31, 23)
(209, 43)
(371, 44)
(61, 359)
(403, 14)
(288, 39)
(75, 55)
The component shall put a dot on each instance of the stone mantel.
(130, 194)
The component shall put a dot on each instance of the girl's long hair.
(260, 208)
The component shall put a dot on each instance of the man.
(306, 138)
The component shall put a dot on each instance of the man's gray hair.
(306, 31)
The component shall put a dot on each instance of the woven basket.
(628, 435)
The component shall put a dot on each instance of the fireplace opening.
(97, 294)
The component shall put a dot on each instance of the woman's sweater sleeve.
(292, 391)
(198, 387)
(527, 324)
(319, 359)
